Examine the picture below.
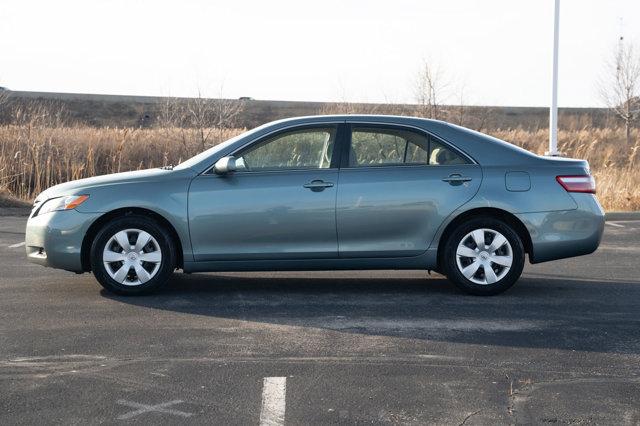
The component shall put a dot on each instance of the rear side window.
(382, 147)
(442, 155)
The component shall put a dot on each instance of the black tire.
(165, 245)
(449, 261)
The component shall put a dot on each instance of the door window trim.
(343, 143)
(344, 160)
(341, 133)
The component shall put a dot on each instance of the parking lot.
(399, 347)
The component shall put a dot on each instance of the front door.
(279, 205)
(396, 188)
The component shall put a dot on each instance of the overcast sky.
(328, 50)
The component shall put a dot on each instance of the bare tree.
(170, 113)
(171, 121)
(483, 118)
(620, 88)
(199, 116)
(209, 115)
(226, 112)
(431, 87)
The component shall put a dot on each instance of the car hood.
(76, 187)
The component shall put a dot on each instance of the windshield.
(209, 152)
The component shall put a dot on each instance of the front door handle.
(456, 179)
(318, 185)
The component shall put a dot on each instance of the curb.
(15, 211)
(622, 216)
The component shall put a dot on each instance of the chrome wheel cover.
(484, 256)
(132, 257)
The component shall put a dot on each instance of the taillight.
(578, 183)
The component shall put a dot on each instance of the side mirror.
(225, 165)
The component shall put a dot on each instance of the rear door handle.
(456, 179)
(318, 185)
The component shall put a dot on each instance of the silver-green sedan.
(326, 193)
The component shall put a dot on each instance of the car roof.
(381, 118)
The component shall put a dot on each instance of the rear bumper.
(567, 233)
(55, 239)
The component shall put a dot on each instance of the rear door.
(397, 185)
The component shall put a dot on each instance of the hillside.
(135, 111)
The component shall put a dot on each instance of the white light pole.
(553, 113)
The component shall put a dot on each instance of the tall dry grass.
(614, 164)
(34, 157)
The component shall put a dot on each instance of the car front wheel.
(484, 256)
(132, 255)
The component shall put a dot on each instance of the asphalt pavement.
(366, 347)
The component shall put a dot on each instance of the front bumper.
(55, 239)
(567, 233)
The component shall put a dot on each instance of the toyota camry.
(326, 193)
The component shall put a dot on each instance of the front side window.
(297, 149)
(379, 147)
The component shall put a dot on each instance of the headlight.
(62, 203)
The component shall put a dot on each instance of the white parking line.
(274, 392)
(617, 225)
(16, 245)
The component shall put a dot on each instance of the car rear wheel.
(132, 255)
(484, 256)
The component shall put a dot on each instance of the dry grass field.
(35, 158)
(612, 162)
(35, 155)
